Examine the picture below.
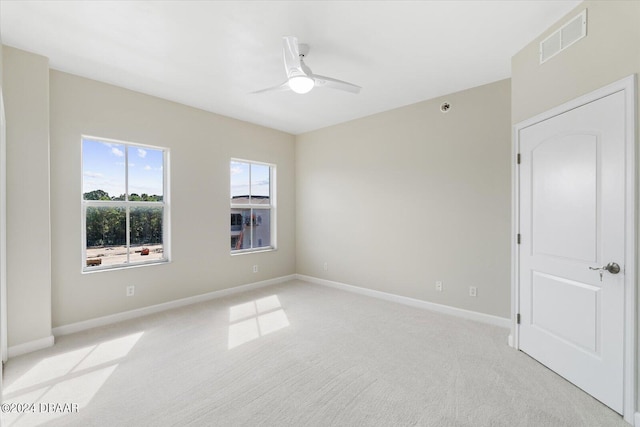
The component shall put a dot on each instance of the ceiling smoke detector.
(445, 107)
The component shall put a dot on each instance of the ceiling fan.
(300, 79)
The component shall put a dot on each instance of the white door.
(572, 220)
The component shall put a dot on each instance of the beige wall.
(610, 51)
(26, 96)
(201, 145)
(398, 200)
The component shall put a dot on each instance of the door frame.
(626, 85)
(3, 237)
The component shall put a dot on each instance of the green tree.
(106, 226)
(97, 195)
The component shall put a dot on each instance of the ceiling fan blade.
(335, 84)
(280, 87)
(292, 57)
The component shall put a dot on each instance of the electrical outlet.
(439, 286)
(131, 290)
(325, 266)
(473, 291)
(255, 268)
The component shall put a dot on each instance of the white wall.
(26, 96)
(398, 200)
(610, 52)
(201, 145)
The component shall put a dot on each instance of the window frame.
(127, 205)
(272, 207)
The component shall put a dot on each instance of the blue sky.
(240, 179)
(103, 166)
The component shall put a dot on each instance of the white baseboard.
(510, 340)
(440, 308)
(139, 312)
(28, 347)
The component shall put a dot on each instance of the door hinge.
(518, 318)
(518, 238)
(518, 158)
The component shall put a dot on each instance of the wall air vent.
(564, 37)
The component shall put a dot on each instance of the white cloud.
(117, 152)
(90, 174)
(235, 170)
(147, 168)
(142, 153)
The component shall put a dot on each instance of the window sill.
(125, 267)
(252, 251)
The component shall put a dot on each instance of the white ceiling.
(211, 55)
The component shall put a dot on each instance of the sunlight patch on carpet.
(254, 319)
(72, 378)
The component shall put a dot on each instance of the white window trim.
(272, 207)
(166, 220)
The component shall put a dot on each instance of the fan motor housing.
(303, 49)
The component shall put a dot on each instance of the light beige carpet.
(294, 354)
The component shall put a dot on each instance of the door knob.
(612, 268)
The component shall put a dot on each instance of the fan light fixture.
(300, 78)
(301, 84)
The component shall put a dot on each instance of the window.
(124, 207)
(252, 206)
